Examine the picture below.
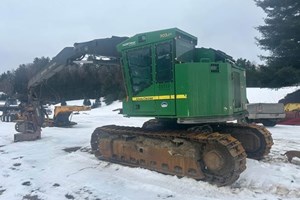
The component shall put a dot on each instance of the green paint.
(166, 63)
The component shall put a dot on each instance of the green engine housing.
(166, 76)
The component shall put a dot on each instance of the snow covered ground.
(43, 169)
(266, 95)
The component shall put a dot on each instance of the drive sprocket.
(256, 140)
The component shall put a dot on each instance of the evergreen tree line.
(91, 81)
(280, 36)
(73, 82)
(261, 75)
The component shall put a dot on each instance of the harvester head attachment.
(30, 122)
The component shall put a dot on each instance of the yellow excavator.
(61, 116)
(292, 114)
(292, 107)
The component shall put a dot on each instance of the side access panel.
(205, 90)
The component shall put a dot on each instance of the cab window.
(164, 64)
(140, 65)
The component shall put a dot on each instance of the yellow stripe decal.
(161, 97)
(181, 96)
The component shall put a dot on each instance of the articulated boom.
(29, 127)
(100, 47)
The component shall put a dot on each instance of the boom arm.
(100, 47)
(32, 112)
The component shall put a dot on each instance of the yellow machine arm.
(61, 117)
(292, 107)
(63, 109)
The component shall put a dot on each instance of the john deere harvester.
(191, 93)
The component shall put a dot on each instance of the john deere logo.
(164, 104)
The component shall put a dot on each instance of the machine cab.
(148, 61)
(166, 76)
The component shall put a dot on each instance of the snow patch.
(43, 169)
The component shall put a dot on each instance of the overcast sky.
(35, 28)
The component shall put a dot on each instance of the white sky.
(35, 28)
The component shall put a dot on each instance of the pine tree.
(281, 37)
(252, 72)
(7, 83)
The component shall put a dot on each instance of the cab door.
(164, 79)
(141, 88)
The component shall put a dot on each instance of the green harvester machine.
(192, 93)
(167, 77)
